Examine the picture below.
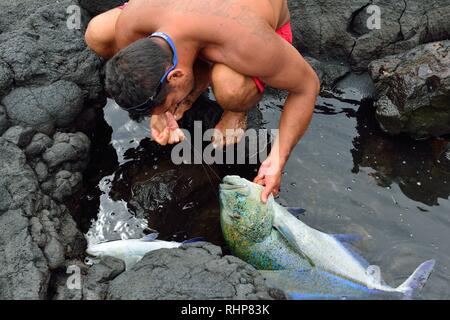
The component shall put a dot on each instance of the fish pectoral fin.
(349, 238)
(287, 234)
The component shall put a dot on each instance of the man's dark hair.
(133, 74)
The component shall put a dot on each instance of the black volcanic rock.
(414, 91)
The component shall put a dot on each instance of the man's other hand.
(165, 129)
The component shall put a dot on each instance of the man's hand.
(165, 129)
(269, 176)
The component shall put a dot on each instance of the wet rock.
(96, 283)
(112, 267)
(416, 167)
(59, 153)
(414, 91)
(54, 252)
(95, 7)
(39, 143)
(4, 123)
(15, 174)
(5, 197)
(18, 135)
(356, 87)
(338, 30)
(23, 272)
(70, 236)
(14, 12)
(6, 78)
(36, 234)
(67, 282)
(329, 72)
(197, 271)
(46, 107)
(66, 183)
(93, 280)
(47, 74)
(40, 48)
(67, 147)
(18, 251)
(41, 171)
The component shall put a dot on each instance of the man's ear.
(175, 75)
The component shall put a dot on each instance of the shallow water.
(347, 174)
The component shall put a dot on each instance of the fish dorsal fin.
(150, 237)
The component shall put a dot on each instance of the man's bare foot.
(230, 129)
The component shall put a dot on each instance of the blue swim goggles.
(143, 108)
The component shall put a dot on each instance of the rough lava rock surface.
(414, 91)
(47, 76)
(36, 233)
(95, 7)
(338, 29)
(196, 271)
(46, 70)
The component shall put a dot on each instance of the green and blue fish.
(302, 261)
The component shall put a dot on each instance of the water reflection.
(414, 165)
(348, 175)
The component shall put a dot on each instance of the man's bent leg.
(236, 94)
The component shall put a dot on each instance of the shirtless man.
(165, 53)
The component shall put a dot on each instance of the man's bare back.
(220, 25)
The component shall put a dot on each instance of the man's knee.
(234, 91)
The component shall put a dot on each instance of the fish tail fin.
(417, 280)
(193, 240)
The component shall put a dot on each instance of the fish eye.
(244, 193)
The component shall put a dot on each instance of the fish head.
(242, 210)
(95, 251)
(109, 248)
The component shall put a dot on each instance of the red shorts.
(285, 32)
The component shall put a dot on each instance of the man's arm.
(101, 33)
(281, 66)
(114, 30)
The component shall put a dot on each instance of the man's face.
(178, 92)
